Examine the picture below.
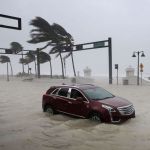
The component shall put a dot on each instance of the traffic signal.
(116, 66)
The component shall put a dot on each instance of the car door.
(75, 107)
(60, 99)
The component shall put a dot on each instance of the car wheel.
(50, 111)
(95, 117)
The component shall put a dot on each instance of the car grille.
(126, 110)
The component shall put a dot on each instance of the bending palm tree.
(31, 58)
(17, 47)
(57, 49)
(68, 42)
(6, 59)
(43, 58)
(54, 35)
(23, 61)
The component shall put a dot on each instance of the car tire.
(95, 117)
(49, 110)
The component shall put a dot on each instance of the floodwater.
(23, 125)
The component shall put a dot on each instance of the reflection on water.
(24, 126)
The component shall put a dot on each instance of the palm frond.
(66, 56)
(44, 57)
(4, 59)
(30, 57)
(57, 55)
(16, 47)
(62, 33)
(24, 61)
(43, 31)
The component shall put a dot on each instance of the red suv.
(87, 101)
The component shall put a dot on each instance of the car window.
(97, 93)
(63, 92)
(55, 91)
(75, 94)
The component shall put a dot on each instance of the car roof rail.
(88, 84)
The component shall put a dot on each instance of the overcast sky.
(127, 22)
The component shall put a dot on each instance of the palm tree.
(57, 49)
(24, 61)
(53, 34)
(70, 49)
(31, 57)
(67, 43)
(43, 58)
(17, 47)
(6, 59)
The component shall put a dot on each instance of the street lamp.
(134, 55)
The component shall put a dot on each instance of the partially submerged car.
(87, 101)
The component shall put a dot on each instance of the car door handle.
(69, 102)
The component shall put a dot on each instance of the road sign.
(141, 66)
(18, 22)
(8, 51)
(79, 47)
(98, 44)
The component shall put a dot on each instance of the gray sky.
(126, 21)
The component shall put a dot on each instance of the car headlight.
(108, 108)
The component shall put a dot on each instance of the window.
(55, 91)
(97, 93)
(75, 94)
(63, 92)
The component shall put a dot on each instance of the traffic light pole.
(92, 45)
(110, 59)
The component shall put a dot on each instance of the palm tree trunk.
(62, 65)
(64, 60)
(28, 69)
(22, 63)
(7, 72)
(73, 64)
(11, 69)
(51, 75)
(35, 68)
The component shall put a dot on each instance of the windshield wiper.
(107, 97)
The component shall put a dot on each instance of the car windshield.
(97, 93)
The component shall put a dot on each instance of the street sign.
(18, 22)
(79, 47)
(8, 51)
(141, 67)
(98, 44)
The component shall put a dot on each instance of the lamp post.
(138, 54)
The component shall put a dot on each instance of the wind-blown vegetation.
(6, 59)
(54, 35)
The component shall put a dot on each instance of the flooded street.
(23, 125)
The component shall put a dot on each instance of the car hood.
(115, 102)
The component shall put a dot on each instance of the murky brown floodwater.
(23, 125)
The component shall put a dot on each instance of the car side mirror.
(80, 100)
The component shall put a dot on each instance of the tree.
(24, 61)
(30, 56)
(66, 44)
(53, 34)
(6, 59)
(43, 58)
(17, 47)
(70, 49)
